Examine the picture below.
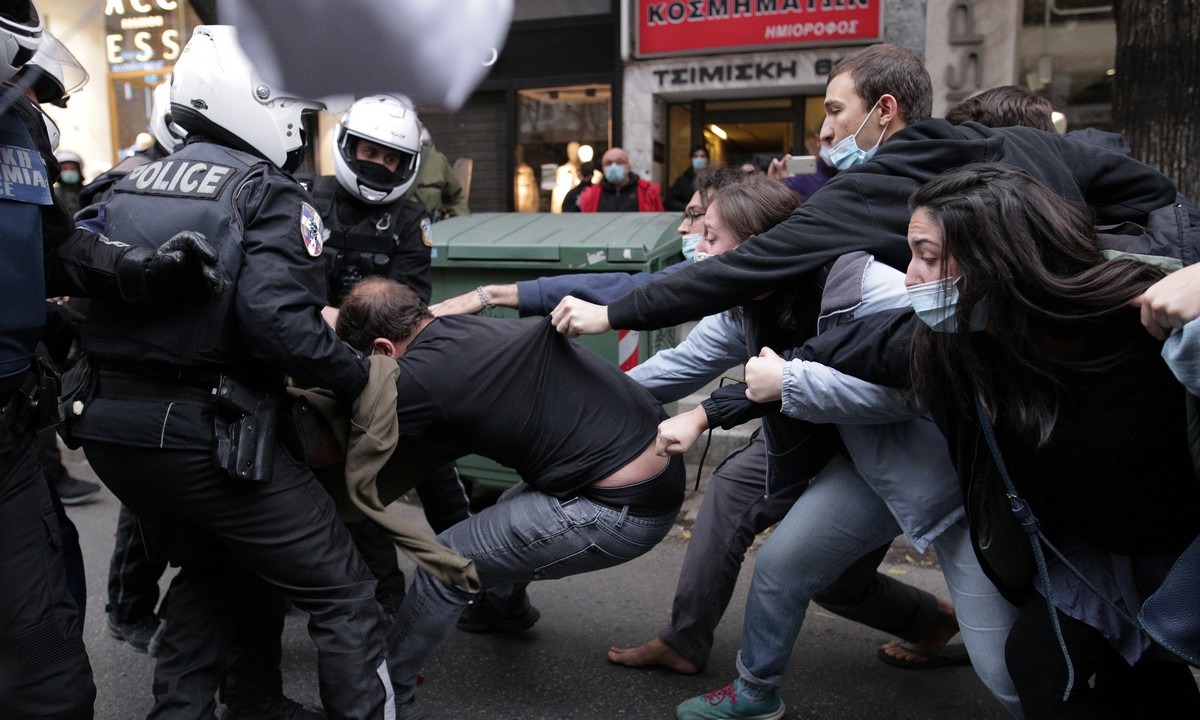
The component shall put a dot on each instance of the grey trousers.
(733, 512)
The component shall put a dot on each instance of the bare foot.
(945, 626)
(653, 653)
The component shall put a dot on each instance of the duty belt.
(136, 386)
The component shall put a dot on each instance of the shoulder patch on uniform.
(427, 231)
(311, 229)
(23, 176)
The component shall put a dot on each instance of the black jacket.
(866, 208)
(1116, 472)
(391, 240)
(682, 191)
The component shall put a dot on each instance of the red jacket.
(648, 197)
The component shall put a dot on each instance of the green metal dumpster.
(497, 248)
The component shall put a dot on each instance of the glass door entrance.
(737, 132)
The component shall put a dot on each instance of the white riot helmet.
(386, 120)
(68, 156)
(162, 126)
(216, 92)
(20, 36)
(53, 72)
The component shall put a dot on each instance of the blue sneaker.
(724, 703)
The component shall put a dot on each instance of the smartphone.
(802, 165)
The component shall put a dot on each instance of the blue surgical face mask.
(615, 174)
(699, 163)
(936, 304)
(846, 154)
(823, 153)
(69, 177)
(690, 241)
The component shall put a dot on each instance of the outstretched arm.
(477, 300)
(676, 435)
(574, 317)
(1171, 302)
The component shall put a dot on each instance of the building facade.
(744, 78)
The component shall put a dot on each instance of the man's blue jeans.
(836, 521)
(527, 536)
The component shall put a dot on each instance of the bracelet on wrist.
(483, 298)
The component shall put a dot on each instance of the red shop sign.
(677, 27)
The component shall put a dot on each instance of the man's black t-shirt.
(521, 394)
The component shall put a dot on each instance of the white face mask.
(846, 154)
(690, 241)
(936, 304)
(697, 257)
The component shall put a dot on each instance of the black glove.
(183, 266)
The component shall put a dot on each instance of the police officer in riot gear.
(186, 425)
(371, 229)
(44, 669)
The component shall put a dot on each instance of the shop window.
(561, 133)
(742, 132)
(1068, 49)
(142, 42)
(131, 108)
(544, 9)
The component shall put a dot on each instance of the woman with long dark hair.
(1027, 328)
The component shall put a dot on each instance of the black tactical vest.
(353, 252)
(24, 188)
(192, 189)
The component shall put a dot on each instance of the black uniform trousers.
(225, 533)
(132, 574)
(44, 668)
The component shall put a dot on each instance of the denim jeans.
(837, 520)
(527, 536)
(734, 511)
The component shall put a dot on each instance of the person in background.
(570, 201)
(621, 190)
(436, 185)
(1004, 106)
(374, 229)
(807, 184)
(70, 180)
(750, 168)
(681, 191)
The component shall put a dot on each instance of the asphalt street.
(559, 669)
